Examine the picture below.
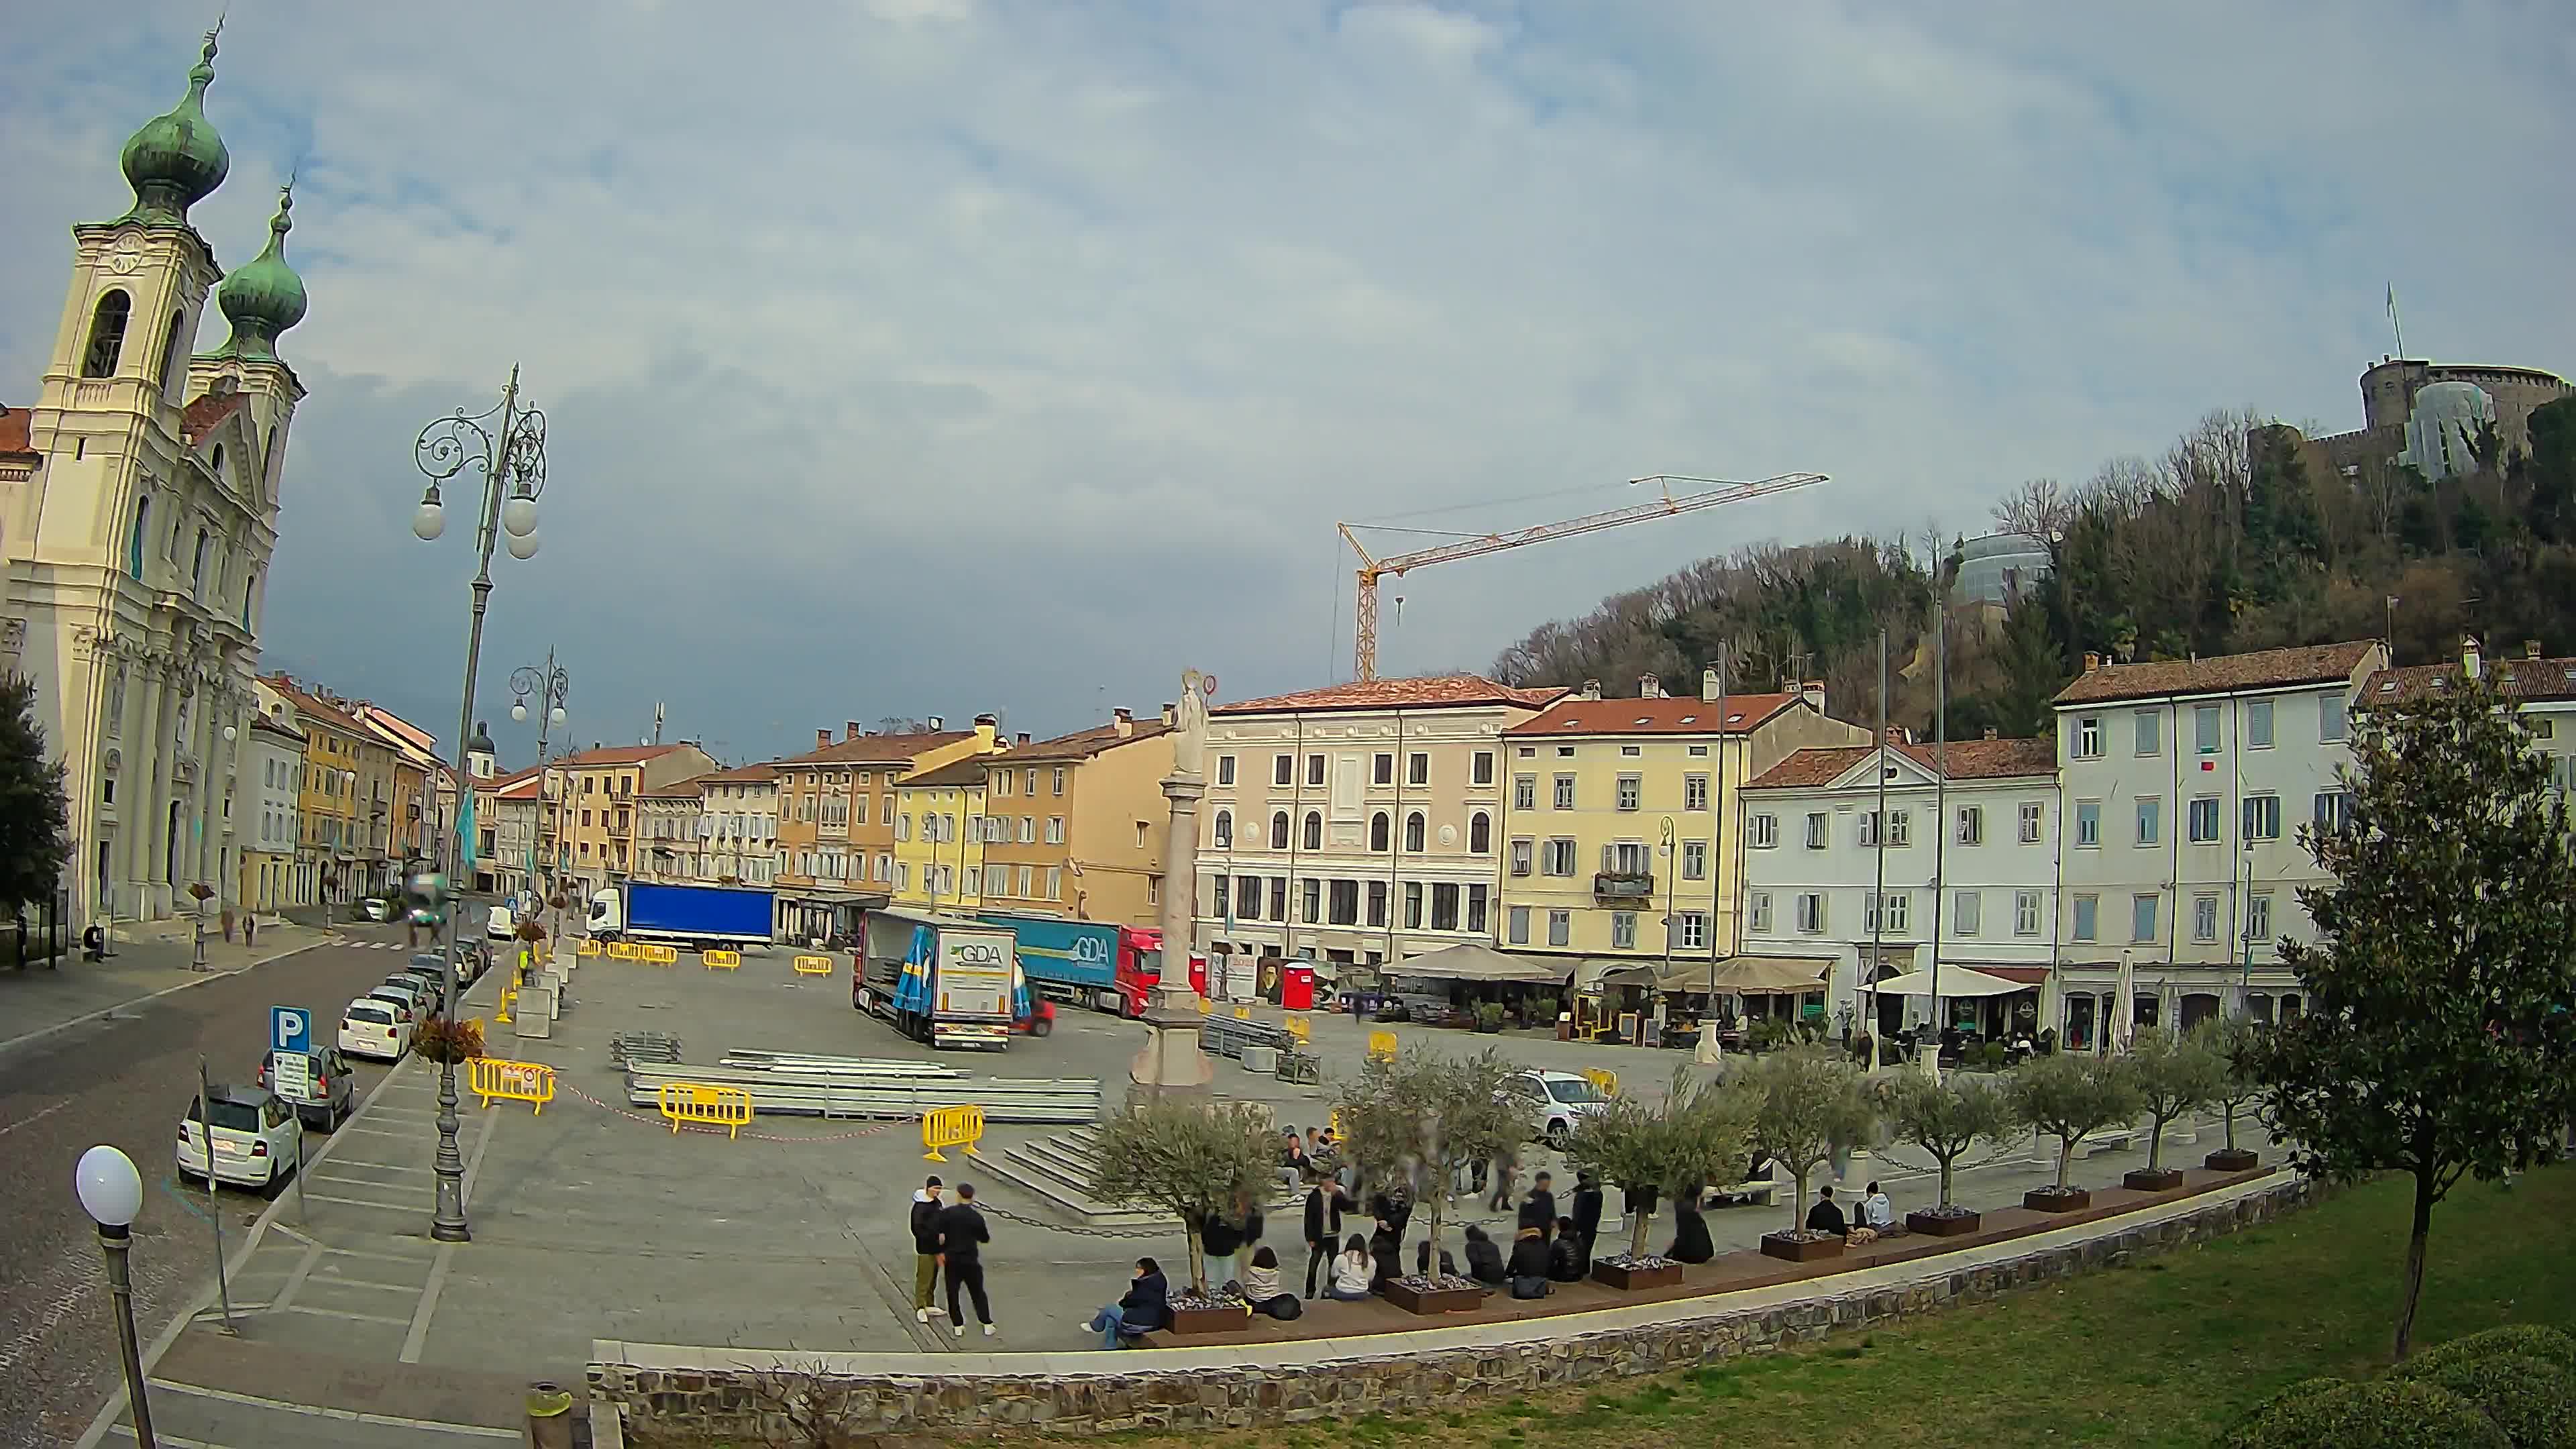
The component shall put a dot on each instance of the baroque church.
(138, 511)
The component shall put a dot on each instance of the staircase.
(1060, 1170)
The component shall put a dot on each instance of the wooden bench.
(2109, 1139)
(1762, 1190)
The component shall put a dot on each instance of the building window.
(2258, 917)
(1377, 903)
(1378, 832)
(1476, 899)
(1559, 857)
(1345, 903)
(2025, 913)
(2142, 918)
(1279, 830)
(1811, 912)
(1247, 897)
(1757, 911)
(2204, 729)
(1694, 860)
(1413, 905)
(1623, 930)
(1518, 931)
(1382, 768)
(134, 544)
(2204, 918)
(1315, 770)
(1900, 827)
(1525, 792)
(1153, 890)
(1314, 830)
(2258, 725)
(1972, 825)
(1899, 908)
(1313, 902)
(1480, 833)
(1225, 830)
(1565, 792)
(1694, 792)
(1283, 770)
(1762, 832)
(2203, 823)
(2333, 810)
(107, 334)
(1560, 927)
(2262, 817)
(2151, 819)
(1417, 769)
(2150, 732)
(2088, 823)
(1631, 792)
(1820, 830)
(2088, 737)
(1522, 851)
(1483, 773)
(2331, 724)
(2088, 912)
(1225, 769)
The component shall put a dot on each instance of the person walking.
(962, 1236)
(1325, 1201)
(1587, 1213)
(1538, 1210)
(926, 1208)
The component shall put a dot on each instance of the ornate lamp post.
(507, 445)
(111, 1192)
(551, 686)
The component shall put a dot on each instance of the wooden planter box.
(2231, 1159)
(1438, 1300)
(1798, 1250)
(2161, 1179)
(1943, 1225)
(2051, 1200)
(1209, 1320)
(1631, 1280)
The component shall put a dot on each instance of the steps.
(1060, 1171)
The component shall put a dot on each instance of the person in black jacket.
(1529, 1265)
(1538, 1210)
(1827, 1215)
(1690, 1231)
(1484, 1260)
(962, 1236)
(1386, 1255)
(926, 1208)
(1220, 1238)
(1146, 1307)
(1587, 1213)
(1324, 1203)
(1565, 1254)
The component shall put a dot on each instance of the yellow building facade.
(836, 809)
(330, 848)
(1622, 819)
(1076, 826)
(938, 835)
(592, 794)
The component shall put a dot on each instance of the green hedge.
(2531, 1400)
(2526, 1340)
(2506, 1388)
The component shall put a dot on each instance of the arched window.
(134, 545)
(173, 348)
(1377, 831)
(250, 591)
(1413, 832)
(197, 570)
(106, 335)
(1279, 830)
(1480, 833)
(1314, 830)
(1225, 830)
(217, 464)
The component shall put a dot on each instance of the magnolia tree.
(2173, 1074)
(1421, 1118)
(1193, 1160)
(2439, 1040)
(1697, 1135)
(2069, 1096)
(1812, 1104)
(2233, 1041)
(1946, 1118)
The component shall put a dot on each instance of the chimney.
(1896, 734)
(2530, 648)
(2468, 656)
(2092, 661)
(849, 729)
(936, 723)
(1171, 715)
(1123, 721)
(1592, 689)
(1813, 692)
(1990, 732)
(988, 728)
(1021, 739)
(1708, 685)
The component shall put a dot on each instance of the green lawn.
(2167, 1352)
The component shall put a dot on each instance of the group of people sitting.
(1872, 1218)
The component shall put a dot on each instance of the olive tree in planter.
(2174, 1074)
(1812, 1104)
(1656, 1152)
(1947, 1118)
(1421, 1119)
(2233, 1041)
(2069, 1097)
(1192, 1159)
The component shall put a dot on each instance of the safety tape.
(659, 1125)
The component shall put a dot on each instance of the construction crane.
(1373, 568)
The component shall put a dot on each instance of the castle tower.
(137, 546)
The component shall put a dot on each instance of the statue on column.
(1171, 1060)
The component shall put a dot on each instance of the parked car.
(433, 988)
(330, 1088)
(500, 925)
(374, 1027)
(252, 1134)
(409, 1001)
(1558, 1100)
(376, 908)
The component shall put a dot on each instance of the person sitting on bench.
(1873, 1215)
(1690, 1230)
(1484, 1260)
(1144, 1308)
(1825, 1216)
(94, 943)
(1529, 1265)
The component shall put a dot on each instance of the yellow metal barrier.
(727, 960)
(1297, 1029)
(659, 955)
(1381, 1046)
(813, 965)
(1205, 1008)
(509, 998)
(625, 951)
(587, 947)
(1608, 1082)
(726, 1107)
(491, 1080)
(1243, 1013)
(951, 1127)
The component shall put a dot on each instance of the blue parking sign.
(290, 1029)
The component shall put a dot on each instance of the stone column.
(1171, 1060)
(140, 808)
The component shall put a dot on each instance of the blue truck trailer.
(685, 915)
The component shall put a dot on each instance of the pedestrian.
(1691, 1242)
(926, 1208)
(1529, 1265)
(1386, 1256)
(962, 1236)
(1538, 1210)
(1565, 1255)
(1587, 1213)
(1141, 1311)
(1504, 1171)
(1324, 1203)
(1292, 1157)
(250, 930)
(1484, 1260)
(1220, 1238)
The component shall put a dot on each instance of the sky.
(921, 357)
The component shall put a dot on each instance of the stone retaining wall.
(726, 1396)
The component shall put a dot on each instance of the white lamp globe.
(519, 516)
(523, 545)
(558, 715)
(111, 1191)
(429, 521)
(519, 712)
(230, 734)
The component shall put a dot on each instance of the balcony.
(1621, 885)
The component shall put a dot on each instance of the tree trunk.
(2156, 1140)
(2065, 1158)
(1948, 1164)
(2413, 1288)
(1798, 1202)
(1642, 1225)
(2227, 1121)
(1198, 1263)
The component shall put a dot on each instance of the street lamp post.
(551, 685)
(111, 1192)
(511, 455)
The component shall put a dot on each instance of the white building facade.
(2185, 783)
(1963, 869)
(271, 824)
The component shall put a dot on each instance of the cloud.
(934, 356)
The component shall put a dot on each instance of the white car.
(373, 1027)
(501, 925)
(253, 1136)
(1557, 1100)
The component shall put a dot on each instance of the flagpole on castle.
(2394, 325)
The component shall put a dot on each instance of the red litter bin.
(1198, 974)
(1297, 987)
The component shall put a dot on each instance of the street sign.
(290, 1029)
(293, 1078)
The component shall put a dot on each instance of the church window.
(197, 571)
(134, 548)
(172, 350)
(106, 335)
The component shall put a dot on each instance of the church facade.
(138, 523)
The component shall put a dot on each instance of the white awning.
(1471, 962)
(1735, 975)
(1955, 981)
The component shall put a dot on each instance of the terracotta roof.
(15, 439)
(877, 749)
(2263, 669)
(1083, 744)
(1969, 760)
(523, 785)
(264, 722)
(1438, 691)
(1670, 716)
(307, 702)
(208, 412)
(743, 774)
(2513, 678)
(693, 787)
(614, 755)
(968, 771)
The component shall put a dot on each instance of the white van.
(501, 925)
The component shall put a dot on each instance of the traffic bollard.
(549, 1416)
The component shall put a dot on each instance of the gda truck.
(1089, 963)
(945, 980)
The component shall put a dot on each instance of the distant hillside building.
(2421, 413)
(1998, 567)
